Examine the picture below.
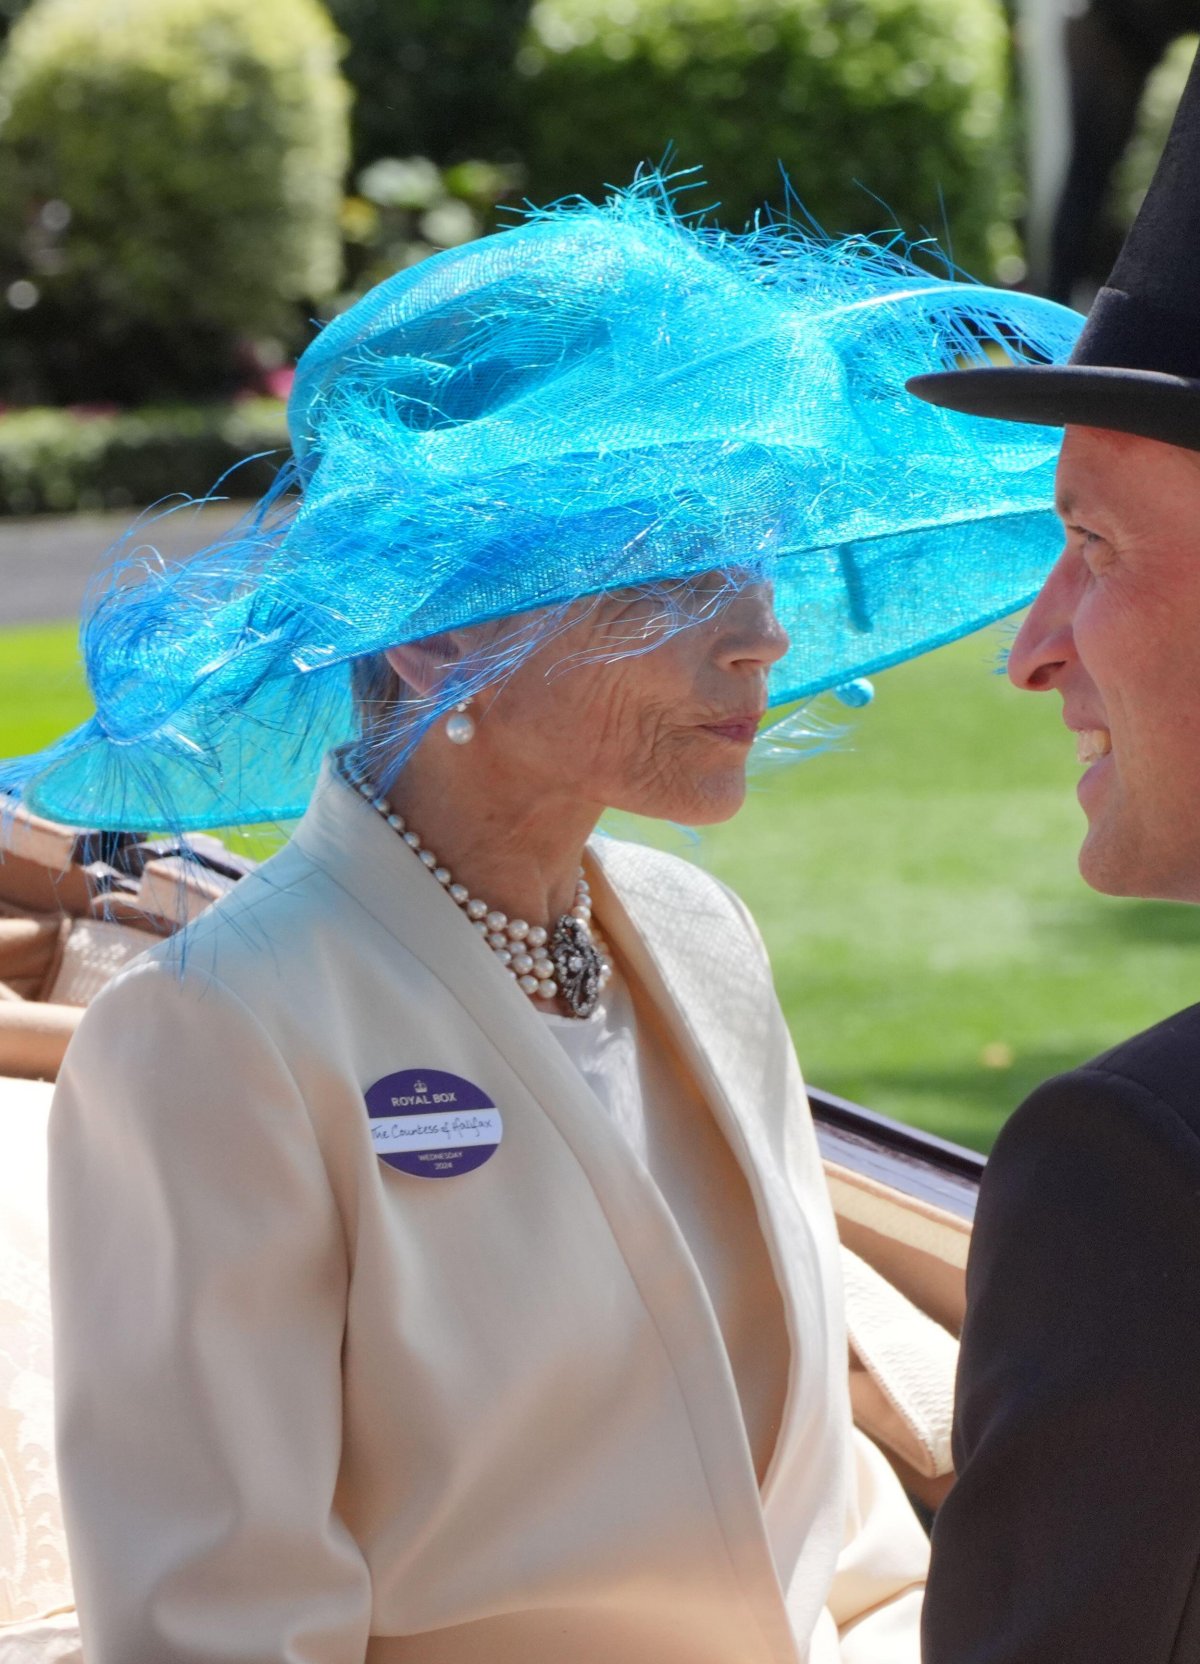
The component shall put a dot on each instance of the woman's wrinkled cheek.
(624, 744)
(627, 737)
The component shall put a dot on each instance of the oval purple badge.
(432, 1124)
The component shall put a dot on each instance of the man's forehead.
(1088, 466)
(1101, 471)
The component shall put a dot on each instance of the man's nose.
(1045, 643)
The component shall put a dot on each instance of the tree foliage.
(881, 112)
(171, 172)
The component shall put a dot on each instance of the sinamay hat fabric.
(598, 397)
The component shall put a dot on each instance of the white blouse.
(643, 1087)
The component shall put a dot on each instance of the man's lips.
(1091, 744)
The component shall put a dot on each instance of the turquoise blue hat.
(597, 397)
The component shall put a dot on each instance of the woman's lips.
(741, 730)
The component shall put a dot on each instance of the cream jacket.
(316, 1410)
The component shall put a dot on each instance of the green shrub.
(430, 78)
(882, 112)
(170, 175)
(61, 460)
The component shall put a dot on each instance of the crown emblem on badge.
(420, 1086)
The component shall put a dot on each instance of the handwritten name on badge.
(432, 1124)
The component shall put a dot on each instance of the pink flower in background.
(278, 383)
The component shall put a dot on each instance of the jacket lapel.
(683, 957)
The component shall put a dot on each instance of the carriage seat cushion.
(51, 966)
(60, 959)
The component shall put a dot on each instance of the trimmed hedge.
(882, 112)
(171, 178)
(61, 460)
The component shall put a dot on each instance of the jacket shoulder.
(1162, 1062)
(1139, 1097)
(1166, 1046)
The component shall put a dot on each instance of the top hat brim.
(1148, 403)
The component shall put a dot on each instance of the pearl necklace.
(571, 960)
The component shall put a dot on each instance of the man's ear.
(423, 665)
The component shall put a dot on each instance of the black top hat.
(1136, 366)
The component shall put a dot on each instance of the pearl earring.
(460, 725)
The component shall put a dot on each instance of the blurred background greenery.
(189, 187)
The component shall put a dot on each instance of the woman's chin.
(718, 801)
(687, 798)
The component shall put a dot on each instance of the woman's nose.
(1045, 645)
(753, 635)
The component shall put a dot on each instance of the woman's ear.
(423, 665)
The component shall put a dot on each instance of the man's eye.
(1089, 542)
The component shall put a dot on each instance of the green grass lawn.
(935, 949)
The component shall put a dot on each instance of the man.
(1073, 1533)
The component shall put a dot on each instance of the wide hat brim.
(601, 397)
(1148, 403)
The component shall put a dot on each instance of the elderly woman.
(442, 1265)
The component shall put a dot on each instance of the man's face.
(1116, 632)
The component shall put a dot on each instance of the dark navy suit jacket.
(1073, 1533)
